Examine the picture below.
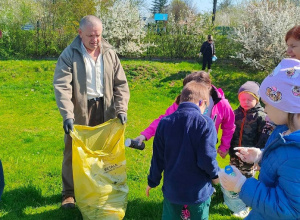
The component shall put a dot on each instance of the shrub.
(261, 30)
(181, 39)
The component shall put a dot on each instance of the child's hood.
(217, 94)
(294, 136)
(278, 139)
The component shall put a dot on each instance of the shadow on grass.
(177, 76)
(174, 88)
(28, 203)
(216, 205)
(139, 209)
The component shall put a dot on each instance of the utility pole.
(214, 11)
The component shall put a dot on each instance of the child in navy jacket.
(184, 149)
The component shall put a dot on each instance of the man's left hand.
(123, 118)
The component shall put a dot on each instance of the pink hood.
(222, 114)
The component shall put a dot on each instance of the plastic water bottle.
(134, 144)
(228, 170)
(231, 199)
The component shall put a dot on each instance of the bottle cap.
(128, 142)
(228, 169)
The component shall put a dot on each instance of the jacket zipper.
(242, 129)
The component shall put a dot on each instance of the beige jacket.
(70, 84)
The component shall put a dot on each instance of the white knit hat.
(281, 88)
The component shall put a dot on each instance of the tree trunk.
(214, 11)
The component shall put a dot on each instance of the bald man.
(90, 88)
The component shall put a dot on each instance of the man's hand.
(68, 125)
(147, 190)
(140, 139)
(249, 154)
(123, 118)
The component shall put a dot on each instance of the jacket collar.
(282, 140)
(184, 105)
(256, 108)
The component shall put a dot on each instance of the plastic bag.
(99, 170)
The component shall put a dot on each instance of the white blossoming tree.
(124, 28)
(261, 31)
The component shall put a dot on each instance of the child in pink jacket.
(219, 111)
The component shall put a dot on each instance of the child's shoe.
(242, 214)
(185, 213)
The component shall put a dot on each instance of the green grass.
(31, 135)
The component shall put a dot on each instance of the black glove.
(68, 125)
(123, 118)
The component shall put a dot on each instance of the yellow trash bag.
(99, 170)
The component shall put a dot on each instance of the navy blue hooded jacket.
(184, 148)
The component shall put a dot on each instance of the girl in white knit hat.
(276, 194)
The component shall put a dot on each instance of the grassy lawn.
(31, 135)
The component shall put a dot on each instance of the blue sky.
(207, 5)
(202, 5)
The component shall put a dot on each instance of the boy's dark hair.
(194, 92)
(209, 37)
(199, 76)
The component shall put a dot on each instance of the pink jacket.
(222, 113)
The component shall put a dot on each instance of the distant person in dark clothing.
(208, 51)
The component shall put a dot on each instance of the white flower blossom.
(124, 28)
(261, 31)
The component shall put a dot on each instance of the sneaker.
(185, 213)
(242, 214)
(68, 202)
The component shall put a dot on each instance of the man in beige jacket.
(90, 88)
